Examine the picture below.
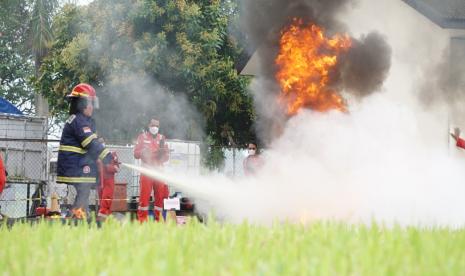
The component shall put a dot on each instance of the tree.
(135, 49)
(25, 37)
(41, 38)
(15, 63)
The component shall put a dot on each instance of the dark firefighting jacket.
(79, 150)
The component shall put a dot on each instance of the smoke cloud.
(384, 162)
(388, 159)
(134, 99)
(366, 65)
(445, 81)
(361, 72)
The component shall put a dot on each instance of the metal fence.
(23, 148)
(233, 162)
(184, 156)
(18, 199)
(31, 163)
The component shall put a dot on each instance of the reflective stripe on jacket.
(79, 149)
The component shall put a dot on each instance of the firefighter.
(152, 149)
(79, 148)
(253, 162)
(106, 185)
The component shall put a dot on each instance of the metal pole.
(27, 198)
(234, 162)
(448, 135)
(23, 159)
(45, 165)
(188, 156)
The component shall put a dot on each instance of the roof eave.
(435, 16)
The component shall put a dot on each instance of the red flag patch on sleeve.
(87, 130)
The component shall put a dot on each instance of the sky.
(83, 2)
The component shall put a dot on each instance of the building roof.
(448, 14)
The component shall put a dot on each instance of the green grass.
(225, 249)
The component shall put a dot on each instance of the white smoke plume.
(388, 159)
(384, 162)
(134, 100)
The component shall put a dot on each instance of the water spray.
(197, 187)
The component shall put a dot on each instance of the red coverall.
(2, 176)
(107, 185)
(252, 164)
(460, 143)
(148, 150)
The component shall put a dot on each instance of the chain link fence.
(25, 192)
(30, 160)
(184, 156)
(23, 147)
(233, 162)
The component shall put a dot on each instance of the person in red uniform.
(459, 141)
(2, 175)
(152, 149)
(106, 184)
(2, 178)
(253, 162)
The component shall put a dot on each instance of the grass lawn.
(323, 248)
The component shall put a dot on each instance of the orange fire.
(79, 213)
(304, 62)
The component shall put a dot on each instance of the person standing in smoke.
(253, 162)
(152, 149)
(80, 149)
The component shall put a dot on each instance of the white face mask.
(153, 130)
(252, 152)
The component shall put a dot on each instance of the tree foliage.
(16, 66)
(25, 36)
(132, 50)
(40, 27)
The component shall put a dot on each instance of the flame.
(79, 213)
(304, 62)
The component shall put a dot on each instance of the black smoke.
(263, 21)
(366, 65)
(360, 72)
(444, 81)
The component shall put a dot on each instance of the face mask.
(252, 152)
(153, 130)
